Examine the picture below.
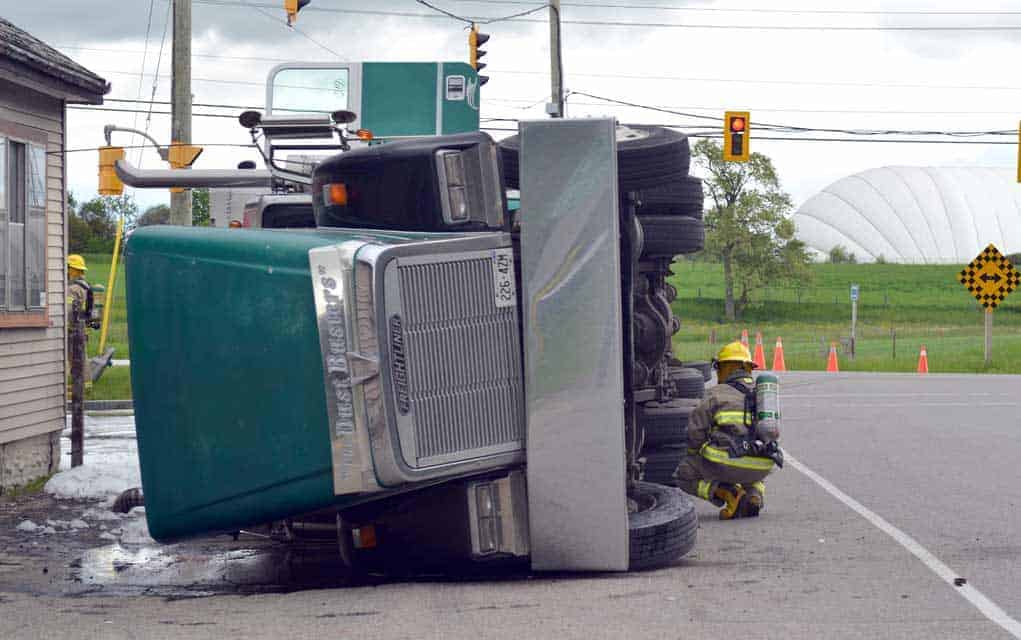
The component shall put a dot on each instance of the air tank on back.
(767, 411)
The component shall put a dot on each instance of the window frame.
(30, 316)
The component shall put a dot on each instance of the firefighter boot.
(753, 501)
(731, 496)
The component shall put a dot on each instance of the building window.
(22, 227)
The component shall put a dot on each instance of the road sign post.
(989, 337)
(854, 317)
(990, 278)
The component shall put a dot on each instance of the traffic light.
(109, 183)
(292, 7)
(475, 40)
(736, 133)
(182, 155)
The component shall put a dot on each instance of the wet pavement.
(809, 567)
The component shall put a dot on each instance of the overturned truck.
(427, 375)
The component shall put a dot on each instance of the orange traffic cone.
(923, 361)
(778, 363)
(831, 362)
(760, 355)
(744, 337)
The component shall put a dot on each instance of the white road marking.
(892, 395)
(873, 405)
(986, 607)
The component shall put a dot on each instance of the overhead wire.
(442, 13)
(156, 73)
(244, 3)
(800, 129)
(141, 71)
(760, 10)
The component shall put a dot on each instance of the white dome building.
(915, 214)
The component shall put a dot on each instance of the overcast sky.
(942, 80)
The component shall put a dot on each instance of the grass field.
(901, 307)
(114, 385)
(912, 305)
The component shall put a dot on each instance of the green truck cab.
(427, 374)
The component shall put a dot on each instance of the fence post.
(893, 336)
(77, 349)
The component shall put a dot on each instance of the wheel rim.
(646, 502)
(625, 133)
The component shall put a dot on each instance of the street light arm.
(110, 128)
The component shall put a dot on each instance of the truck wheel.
(665, 422)
(661, 462)
(682, 197)
(703, 366)
(647, 157)
(663, 528)
(687, 383)
(671, 235)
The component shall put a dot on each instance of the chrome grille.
(464, 382)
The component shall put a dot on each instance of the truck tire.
(704, 366)
(661, 462)
(647, 157)
(671, 235)
(687, 383)
(682, 197)
(663, 529)
(665, 422)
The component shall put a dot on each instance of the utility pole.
(556, 107)
(180, 125)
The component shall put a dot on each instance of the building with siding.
(36, 83)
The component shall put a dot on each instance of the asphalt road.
(898, 485)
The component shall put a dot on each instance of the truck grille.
(456, 360)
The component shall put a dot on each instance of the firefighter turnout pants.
(702, 468)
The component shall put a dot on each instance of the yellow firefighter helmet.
(75, 261)
(735, 352)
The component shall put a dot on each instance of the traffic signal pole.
(556, 108)
(180, 127)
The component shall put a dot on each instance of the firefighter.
(726, 463)
(78, 289)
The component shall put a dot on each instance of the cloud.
(780, 76)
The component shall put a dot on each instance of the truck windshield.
(309, 90)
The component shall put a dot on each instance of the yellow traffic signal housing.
(292, 7)
(109, 183)
(737, 131)
(475, 40)
(182, 155)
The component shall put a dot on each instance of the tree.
(200, 207)
(156, 214)
(840, 255)
(93, 224)
(748, 227)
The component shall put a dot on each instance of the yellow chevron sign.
(990, 277)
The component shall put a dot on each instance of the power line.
(871, 140)
(75, 107)
(194, 104)
(754, 10)
(822, 83)
(481, 20)
(291, 26)
(143, 146)
(667, 25)
(156, 73)
(635, 76)
(145, 54)
(799, 129)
